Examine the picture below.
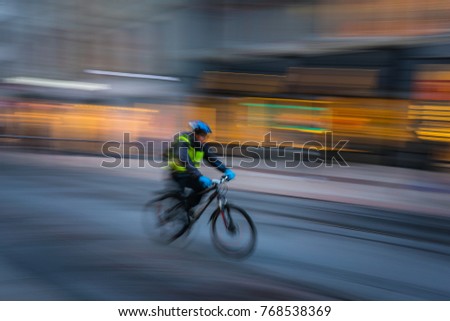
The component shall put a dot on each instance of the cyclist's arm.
(212, 158)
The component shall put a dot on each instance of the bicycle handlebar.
(223, 179)
(215, 182)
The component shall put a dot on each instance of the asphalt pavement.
(71, 229)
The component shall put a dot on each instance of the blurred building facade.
(375, 72)
(60, 39)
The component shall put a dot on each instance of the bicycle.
(167, 219)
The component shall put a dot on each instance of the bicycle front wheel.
(165, 219)
(233, 232)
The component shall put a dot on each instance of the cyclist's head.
(201, 129)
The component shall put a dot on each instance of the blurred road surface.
(71, 230)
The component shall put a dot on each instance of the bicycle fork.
(226, 216)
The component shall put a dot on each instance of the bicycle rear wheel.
(233, 232)
(165, 219)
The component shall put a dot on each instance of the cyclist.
(186, 153)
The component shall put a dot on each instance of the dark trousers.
(184, 181)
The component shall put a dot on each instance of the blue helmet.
(201, 127)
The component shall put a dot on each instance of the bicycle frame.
(215, 195)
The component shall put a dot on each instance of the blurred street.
(288, 93)
(72, 230)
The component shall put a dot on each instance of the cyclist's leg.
(194, 198)
(184, 182)
(177, 182)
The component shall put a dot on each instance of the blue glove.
(230, 174)
(204, 181)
